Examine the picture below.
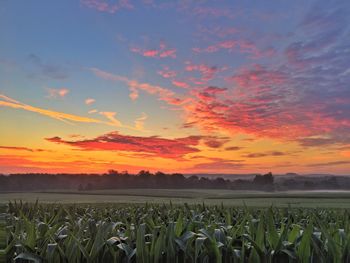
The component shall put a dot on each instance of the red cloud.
(159, 147)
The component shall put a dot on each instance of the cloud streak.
(15, 148)
(9, 102)
(163, 94)
(66, 117)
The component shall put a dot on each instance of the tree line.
(145, 179)
(116, 180)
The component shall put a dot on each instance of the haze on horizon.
(176, 86)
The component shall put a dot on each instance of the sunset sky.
(176, 86)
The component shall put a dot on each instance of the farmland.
(174, 233)
(311, 199)
(162, 225)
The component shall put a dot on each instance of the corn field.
(167, 233)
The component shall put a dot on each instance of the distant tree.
(112, 172)
(266, 179)
(144, 174)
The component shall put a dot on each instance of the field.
(336, 199)
(160, 225)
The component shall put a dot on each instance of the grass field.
(332, 199)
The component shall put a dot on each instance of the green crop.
(168, 233)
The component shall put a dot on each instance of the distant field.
(334, 199)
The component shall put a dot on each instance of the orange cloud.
(111, 116)
(139, 122)
(9, 102)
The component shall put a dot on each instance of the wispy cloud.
(111, 116)
(162, 93)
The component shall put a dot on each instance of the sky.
(175, 86)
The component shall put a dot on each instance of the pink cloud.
(242, 46)
(219, 31)
(168, 53)
(214, 12)
(180, 84)
(54, 93)
(162, 93)
(150, 53)
(107, 6)
(161, 52)
(206, 72)
(167, 73)
(89, 101)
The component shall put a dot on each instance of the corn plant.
(167, 233)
